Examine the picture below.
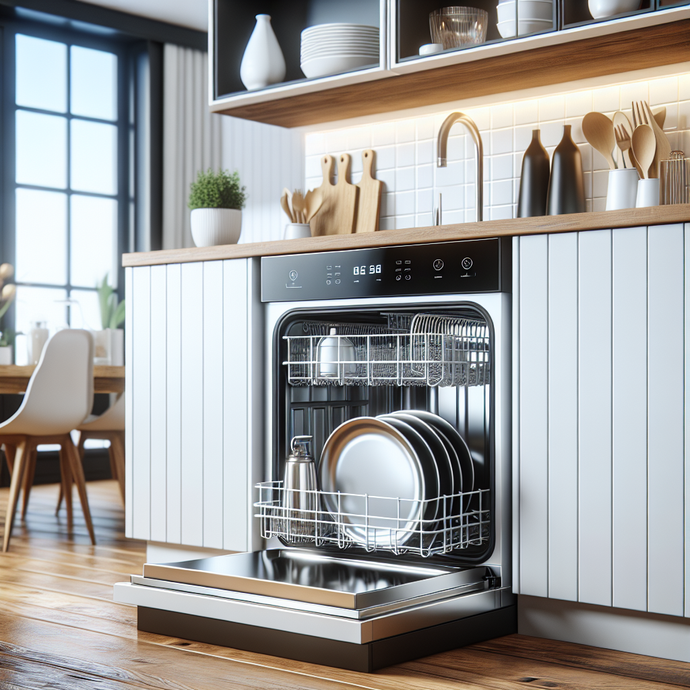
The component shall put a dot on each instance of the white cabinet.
(602, 510)
(194, 409)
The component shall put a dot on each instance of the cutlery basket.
(375, 523)
(412, 350)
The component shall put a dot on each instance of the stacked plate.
(532, 16)
(391, 479)
(335, 48)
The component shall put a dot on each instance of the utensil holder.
(622, 189)
(647, 192)
(674, 179)
(294, 231)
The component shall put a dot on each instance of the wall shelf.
(641, 41)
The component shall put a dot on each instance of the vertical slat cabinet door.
(533, 403)
(213, 404)
(665, 418)
(562, 415)
(687, 419)
(192, 436)
(173, 409)
(141, 403)
(515, 446)
(595, 417)
(235, 403)
(630, 418)
(158, 404)
(129, 398)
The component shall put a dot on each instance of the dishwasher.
(390, 367)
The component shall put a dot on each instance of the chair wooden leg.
(117, 458)
(78, 475)
(29, 474)
(10, 452)
(16, 482)
(66, 485)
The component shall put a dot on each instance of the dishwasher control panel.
(458, 267)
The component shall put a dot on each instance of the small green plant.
(217, 190)
(112, 312)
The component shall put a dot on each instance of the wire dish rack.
(419, 349)
(377, 523)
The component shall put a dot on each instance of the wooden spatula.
(369, 201)
(323, 218)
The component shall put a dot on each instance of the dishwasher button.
(293, 275)
(438, 264)
(467, 263)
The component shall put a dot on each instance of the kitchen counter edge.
(574, 222)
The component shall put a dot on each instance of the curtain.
(191, 137)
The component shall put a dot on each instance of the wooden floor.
(59, 628)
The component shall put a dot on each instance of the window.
(67, 167)
(67, 129)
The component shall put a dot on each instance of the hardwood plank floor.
(59, 628)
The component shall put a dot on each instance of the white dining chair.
(59, 398)
(109, 426)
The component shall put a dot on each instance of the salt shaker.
(299, 500)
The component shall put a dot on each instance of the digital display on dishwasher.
(423, 269)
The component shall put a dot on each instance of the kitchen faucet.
(442, 143)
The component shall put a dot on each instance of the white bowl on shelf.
(527, 10)
(326, 66)
(601, 9)
(507, 29)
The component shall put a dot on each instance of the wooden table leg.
(66, 485)
(19, 463)
(29, 474)
(117, 454)
(10, 452)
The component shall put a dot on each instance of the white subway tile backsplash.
(606, 100)
(425, 152)
(405, 131)
(684, 87)
(405, 203)
(663, 91)
(551, 108)
(502, 116)
(404, 179)
(425, 176)
(599, 204)
(501, 141)
(526, 112)
(406, 150)
(405, 155)
(578, 104)
(425, 128)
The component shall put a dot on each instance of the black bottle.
(566, 185)
(534, 179)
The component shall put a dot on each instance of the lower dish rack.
(419, 349)
(376, 523)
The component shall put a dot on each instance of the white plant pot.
(212, 226)
(6, 354)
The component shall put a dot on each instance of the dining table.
(14, 378)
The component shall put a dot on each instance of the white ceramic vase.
(6, 354)
(212, 226)
(263, 62)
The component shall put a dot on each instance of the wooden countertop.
(655, 215)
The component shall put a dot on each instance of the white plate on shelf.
(326, 66)
(507, 29)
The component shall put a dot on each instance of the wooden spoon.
(644, 148)
(312, 201)
(298, 206)
(285, 205)
(598, 131)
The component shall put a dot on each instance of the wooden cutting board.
(337, 213)
(369, 200)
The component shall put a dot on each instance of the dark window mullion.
(68, 286)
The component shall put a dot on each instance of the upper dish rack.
(413, 350)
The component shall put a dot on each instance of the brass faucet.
(442, 143)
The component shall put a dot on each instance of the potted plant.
(6, 296)
(216, 200)
(109, 344)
